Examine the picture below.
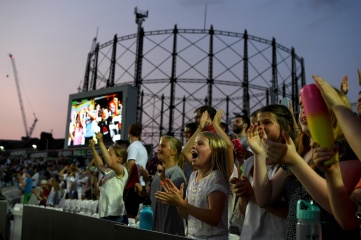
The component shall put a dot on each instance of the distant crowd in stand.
(246, 182)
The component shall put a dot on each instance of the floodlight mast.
(140, 16)
(29, 132)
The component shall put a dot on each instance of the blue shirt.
(29, 185)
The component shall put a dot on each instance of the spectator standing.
(115, 176)
(137, 157)
(240, 125)
(35, 177)
(27, 184)
(43, 194)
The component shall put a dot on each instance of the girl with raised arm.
(111, 204)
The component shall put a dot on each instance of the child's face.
(269, 126)
(164, 150)
(302, 118)
(113, 156)
(201, 152)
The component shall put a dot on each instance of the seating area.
(83, 207)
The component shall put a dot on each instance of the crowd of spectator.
(250, 179)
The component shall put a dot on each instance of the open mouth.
(194, 155)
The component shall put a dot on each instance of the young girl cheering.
(111, 204)
(261, 223)
(166, 218)
(297, 178)
(205, 206)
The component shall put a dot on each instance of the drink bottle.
(308, 221)
(146, 216)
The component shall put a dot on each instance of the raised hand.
(218, 117)
(329, 94)
(91, 143)
(253, 139)
(203, 120)
(99, 136)
(344, 85)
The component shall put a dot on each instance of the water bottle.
(146, 217)
(308, 221)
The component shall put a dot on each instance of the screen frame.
(129, 108)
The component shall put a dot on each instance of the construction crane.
(28, 132)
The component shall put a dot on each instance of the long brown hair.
(219, 153)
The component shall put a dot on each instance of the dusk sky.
(50, 41)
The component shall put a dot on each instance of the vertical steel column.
(210, 79)
(303, 80)
(113, 61)
(267, 97)
(294, 81)
(161, 117)
(93, 83)
(284, 90)
(274, 81)
(87, 73)
(138, 68)
(141, 109)
(245, 83)
(227, 110)
(183, 118)
(173, 81)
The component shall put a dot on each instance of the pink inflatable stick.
(318, 118)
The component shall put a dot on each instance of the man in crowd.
(137, 157)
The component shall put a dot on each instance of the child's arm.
(343, 208)
(98, 162)
(348, 121)
(186, 151)
(118, 168)
(213, 214)
(262, 186)
(314, 184)
(229, 145)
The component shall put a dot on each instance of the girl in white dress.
(111, 186)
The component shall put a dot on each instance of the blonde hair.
(219, 153)
(120, 151)
(176, 145)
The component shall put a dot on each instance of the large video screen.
(109, 111)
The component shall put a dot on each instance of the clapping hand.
(253, 139)
(171, 195)
(280, 152)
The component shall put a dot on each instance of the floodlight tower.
(140, 17)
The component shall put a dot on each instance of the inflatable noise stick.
(318, 118)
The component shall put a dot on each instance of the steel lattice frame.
(178, 70)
